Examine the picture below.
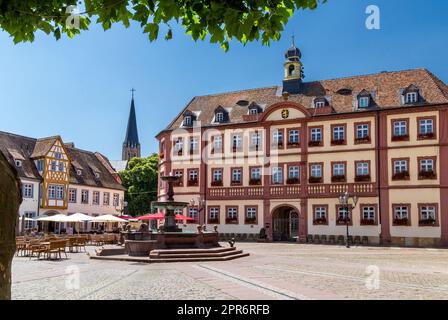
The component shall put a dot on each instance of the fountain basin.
(139, 248)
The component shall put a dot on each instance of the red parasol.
(154, 216)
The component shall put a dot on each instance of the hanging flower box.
(367, 222)
(231, 220)
(255, 182)
(427, 222)
(250, 220)
(215, 220)
(427, 175)
(292, 181)
(320, 221)
(343, 220)
(404, 175)
(338, 179)
(400, 138)
(217, 183)
(337, 142)
(314, 143)
(362, 140)
(401, 221)
(429, 135)
(315, 180)
(192, 183)
(293, 145)
(363, 178)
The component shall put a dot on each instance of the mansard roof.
(13, 146)
(386, 85)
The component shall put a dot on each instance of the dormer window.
(253, 111)
(79, 172)
(97, 175)
(320, 102)
(219, 117)
(364, 102)
(411, 94)
(411, 97)
(189, 118)
(18, 163)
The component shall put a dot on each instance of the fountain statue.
(169, 206)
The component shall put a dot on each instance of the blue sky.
(79, 88)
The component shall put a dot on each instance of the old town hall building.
(278, 158)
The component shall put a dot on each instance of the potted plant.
(337, 142)
(426, 175)
(314, 143)
(403, 175)
(401, 221)
(255, 182)
(292, 181)
(362, 178)
(322, 220)
(404, 137)
(428, 135)
(315, 180)
(339, 178)
(365, 139)
(426, 222)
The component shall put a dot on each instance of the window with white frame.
(411, 97)
(251, 213)
(368, 213)
(28, 190)
(277, 175)
(256, 139)
(61, 166)
(362, 131)
(401, 212)
(40, 165)
(217, 175)
(294, 136)
(58, 155)
(72, 195)
(277, 137)
(84, 196)
(214, 213)
(179, 144)
(193, 175)
(217, 142)
(179, 211)
(425, 126)
(237, 141)
(194, 144)
(319, 104)
(338, 133)
(116, 200)
(79, 172)
(293, 172)
(253, 111)
(343, 213)
(400, 128)
(316, 171)
(362, 169)
(320, 212)
(338, 169)
(428, 212)
(51, 192)
(188, 121)
(316, 134)
(219, 117)
(96, 198)
(255, 173)
(60, 192)
(400, 166)
(427, 165)
(232, 213)
(54, 165)
(29, 224)
(236, 175)
(18, 163)
(106, 198)
(364, 102)
(193, 212)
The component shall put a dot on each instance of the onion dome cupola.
(293, 70)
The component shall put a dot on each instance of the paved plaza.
(272, 271)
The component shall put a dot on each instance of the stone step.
(192, 251)
(198, 259)
(194, 255)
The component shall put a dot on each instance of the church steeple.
(293, 70)
(131, 144)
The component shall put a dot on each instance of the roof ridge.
(437, 81)
(370, 74)
(237, 91)
(17, 135)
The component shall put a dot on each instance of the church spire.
(131, 144)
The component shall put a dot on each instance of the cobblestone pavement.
(272, 271)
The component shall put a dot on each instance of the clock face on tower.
(285, 113)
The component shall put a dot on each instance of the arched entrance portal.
(285, 222)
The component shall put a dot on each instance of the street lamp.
(344, 201)
(201, 204)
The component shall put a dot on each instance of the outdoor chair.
(332, 239)
(323, 238)
(20, 247)
(80, 242)
(357, 240)
(71, 243)
(310, 238)
(365, 240)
